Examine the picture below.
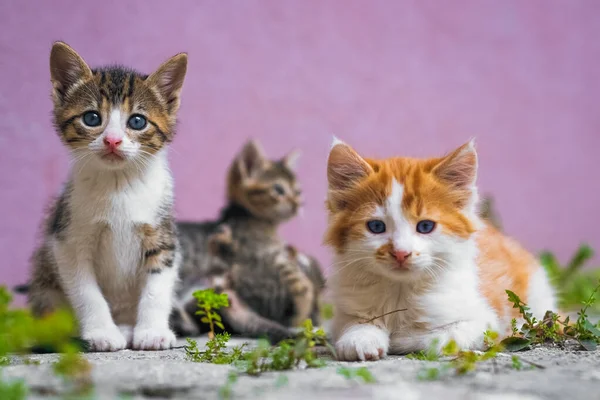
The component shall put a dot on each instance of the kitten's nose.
(112, 142)
(401, 256)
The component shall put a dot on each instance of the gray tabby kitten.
(271, 287)
(110, 250)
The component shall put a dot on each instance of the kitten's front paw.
(127, 332)
(153, 339)
(105, 339)
(362, 343)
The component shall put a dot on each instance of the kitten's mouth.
(401, 268)
(113, 157)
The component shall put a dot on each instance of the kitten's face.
(268, 189)
(401, 218)
(114, 116)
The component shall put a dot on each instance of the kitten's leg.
(299, 285)
(81, 288)
(127, 332)
(357, 341)
(45, 294)
(161, 263)
(245, 321)
(182, 322)
(468, 335)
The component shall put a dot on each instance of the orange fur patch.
(503, 264)
(436, 189)
(425, 196)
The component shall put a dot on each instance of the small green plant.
(457, 361)
(288, 354)
(13, 390)
(226, 390)
(326, 311)
(72, 365)
(215, 351)
(209, 304)
(573, 283)
(551, 329)
(20, 332)
(281, 381)
(431, 354)
(361, 373)
(516, 363)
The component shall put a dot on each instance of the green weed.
(209, 303)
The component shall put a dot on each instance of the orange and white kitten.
(407, 236)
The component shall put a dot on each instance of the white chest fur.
(106, 206)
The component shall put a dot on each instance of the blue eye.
(279, 189)
(376, 226)
(92, 118)
(137, 122)
(425, 226)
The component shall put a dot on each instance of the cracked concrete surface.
(166, 374)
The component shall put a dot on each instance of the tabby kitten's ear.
(168, 80)
(250, 160)
(345, 166)
(67, 68)
(291, 160)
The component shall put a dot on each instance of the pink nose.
(401, 256)
(112, 142)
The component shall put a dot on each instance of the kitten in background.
(110, 250)
(488, 212)
(407, 236)
(271, 286)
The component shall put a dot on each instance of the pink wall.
(390, 77)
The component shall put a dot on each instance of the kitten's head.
(266, 188)
(114, 116)
(402, 218)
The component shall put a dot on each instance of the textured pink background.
(390, 77)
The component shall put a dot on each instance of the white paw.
(127, 332)
(105, 339)
(362, 342)
(153, 339)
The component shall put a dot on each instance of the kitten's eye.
(425, 226)
(92, 118)
(137, 122)
(279, 189)
(376, 226)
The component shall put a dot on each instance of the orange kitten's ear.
(250, 160)
(459, 168)
(168, 79)
(67, 68)
(345, 166)
(291, 160)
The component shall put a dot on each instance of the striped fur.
(110, 250)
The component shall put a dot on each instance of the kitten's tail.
(245, 321)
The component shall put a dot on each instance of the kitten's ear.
(251, 159)
(291, 159)
(345, 166)
(459, 168)
(168, 79)
(67, 68)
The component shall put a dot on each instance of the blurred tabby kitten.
(110, 250)
(271, 286)
(488, 212)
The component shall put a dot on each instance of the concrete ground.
(137, 374)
